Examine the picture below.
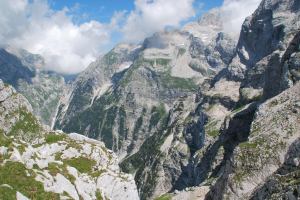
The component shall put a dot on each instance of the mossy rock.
(54, 138)
(171, 82)
(82, 164)
(27, 127)
(14, 174)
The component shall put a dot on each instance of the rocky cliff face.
(194, 114)
(251, 136)
(125, 96)
(43, 89)
(40, 164)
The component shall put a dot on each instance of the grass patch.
(98, 173)
(82, 164)
(213, 133)
(53, 138)
(7, 193)
(98, 195)
(169, 81)
(14, 174)
(164, 197)
(4, 141)
(211, 129)
(27, 124)
(21, 148)
(55, 168)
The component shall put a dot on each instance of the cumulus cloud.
(69, 47)
(234, 12)
(150, 16)
(66, 47)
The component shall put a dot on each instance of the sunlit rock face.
(39, 163)
(192, 114)
(43, 89)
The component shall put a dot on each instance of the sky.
(70, 34)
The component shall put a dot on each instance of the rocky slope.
(123, 98)
(36, 163)
(250, 146)
(43, 89)
(194, 114)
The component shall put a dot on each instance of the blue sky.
(70, 34)
(103, 10)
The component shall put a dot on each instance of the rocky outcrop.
(268, 39)
(43, 164)
(11, 103)
(43, 89)
(123, 97)
(181, 110)
(265, 64)
(262, 69)
(12, 69)
(129, 97)
(270, 149)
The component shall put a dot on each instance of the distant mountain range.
(195, 113)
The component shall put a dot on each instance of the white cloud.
(234, 12)
(66, 47)
(150, 16)
(69, 48)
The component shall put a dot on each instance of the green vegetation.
(169, 81)
(157, 61)
(239, 109)
(7, 193)
(98, 195)
(4, 141)
(107, 126)
(100, 117)
(164, 197)
(181, 51)
(27, 124)
(138, 124)
(162, 61)
(148, 153)
(211, 129)
(58, 155)
(213, 133)
(46, 113)
(274, 103)
(123, 130)
(21, 148)
(55, 168)
(53, 138)
(249, 145)
(82, 164)
(157, 113)
(145, 63)
(98, 173)
(14, 174)
(111, 58)
(255, 154)
(44, 95)
(137, 127)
